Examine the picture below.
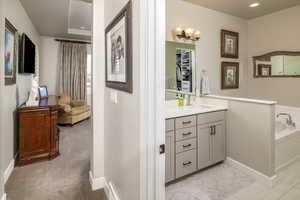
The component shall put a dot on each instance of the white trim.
(96, 183)
(3, 196)
(283, 166)
(152, 89)
(242, 99)
(266, 180)
(110, 191)
(8, 170)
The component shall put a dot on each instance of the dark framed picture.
(10, 53)
(264, 70)
(118, 47)
(43, 92)
(229, 44)
(230, 75)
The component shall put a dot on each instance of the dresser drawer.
(170, 123)
(186, 133)
(186, 163)
(186, 145)
(184, 122)
(210, 117)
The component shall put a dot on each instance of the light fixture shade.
(197, 35)
(189, 32)
(178, 31)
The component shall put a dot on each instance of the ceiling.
(61, 18)
(240, 8)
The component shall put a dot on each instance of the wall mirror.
(180, 67)
(277, 64)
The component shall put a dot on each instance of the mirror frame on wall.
(267, 57)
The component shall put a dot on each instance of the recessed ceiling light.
(253, 5)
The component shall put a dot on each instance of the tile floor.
(226, 182)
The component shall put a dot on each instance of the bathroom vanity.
(195, 139)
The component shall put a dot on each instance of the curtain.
(73, 70)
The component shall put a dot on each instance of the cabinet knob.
(187, 145)
(186, 163)
(186, 134)
(186, 122)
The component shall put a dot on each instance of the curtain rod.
(72, 41)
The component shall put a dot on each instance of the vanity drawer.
(186, 145)
(186, 163)
(170, 123)
(185, 122)
(210, 117)
(186, 133)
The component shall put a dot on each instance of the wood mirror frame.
(267, 57)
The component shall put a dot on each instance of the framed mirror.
(277, 64)
(180, 67)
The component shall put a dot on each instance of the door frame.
(152, 89)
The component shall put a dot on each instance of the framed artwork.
(229, 44)
(264, 70)
(118, 47)
(10, 53)
(43, 92)
(230, 75)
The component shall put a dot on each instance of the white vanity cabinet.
(211, 139)
(170, 150)
(194, 142)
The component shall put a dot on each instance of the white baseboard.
(110, 192)
(3, 196)
(290, 162)
(268, 181)
(96, 183)
(8, 170)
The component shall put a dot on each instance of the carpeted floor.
(64, 178)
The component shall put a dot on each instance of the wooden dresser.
(38, 132)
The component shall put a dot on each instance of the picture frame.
(229, 75)
(229, 44)
(43, 92)
(10, 53)
(264, 70)
(118, 51)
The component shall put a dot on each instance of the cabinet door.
(219, 143)
(170, 156)
(204, 146)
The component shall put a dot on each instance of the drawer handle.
(187, 145)
(187, 122)
(186, 163)
(186, 134)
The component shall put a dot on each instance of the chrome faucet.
(289, 120)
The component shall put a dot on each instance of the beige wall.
(2, 130)
(14, 95)
(122, 137)
(274, 32)
(49, 64)
(210, 23)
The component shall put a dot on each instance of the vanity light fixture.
(187, 33)
(253, 5)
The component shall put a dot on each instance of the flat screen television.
(27, 64)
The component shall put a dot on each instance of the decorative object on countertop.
(205, 84)
(180, 101)
(230, 75)
(118, 47)
(277, 64)
(11, 53)
(43, 92)
(34, 93)
(187, 33)
(229, 44)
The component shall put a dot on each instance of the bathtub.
(287, 144)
